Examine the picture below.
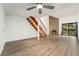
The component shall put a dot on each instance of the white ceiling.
(19, 9)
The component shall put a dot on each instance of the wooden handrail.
(43, 25)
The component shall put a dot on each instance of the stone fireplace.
(53, 25)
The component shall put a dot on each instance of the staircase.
(34, 23)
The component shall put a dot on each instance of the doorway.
(70, 29)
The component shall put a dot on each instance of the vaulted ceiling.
(19, 9)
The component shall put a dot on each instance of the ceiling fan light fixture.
(39, 6)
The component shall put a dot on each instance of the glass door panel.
(65, 29)
(70, 29)
(72, 26)
(65, 26)
(65, 32)
(72, 33)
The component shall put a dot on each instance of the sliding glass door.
(70, 29)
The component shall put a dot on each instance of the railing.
(43, 26)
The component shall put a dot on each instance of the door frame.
(69, 30)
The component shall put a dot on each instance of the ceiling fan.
(40, 6)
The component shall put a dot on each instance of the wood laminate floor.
(48, 46)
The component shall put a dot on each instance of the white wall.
(78, 11)
(68, 19)
(18, 28)
(45, 21)
(2, 30)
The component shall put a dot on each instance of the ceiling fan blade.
(31, 8)
(40, 11)
(48, 6)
